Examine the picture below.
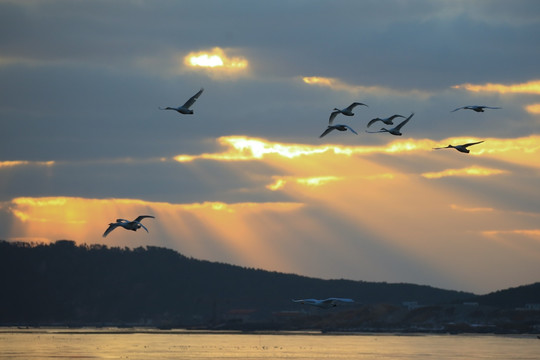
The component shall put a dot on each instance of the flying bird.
(387, 121)
(347, 111)
(133, 225)
(477, 108)
(339, 127)
(395, 130)
(185, 109)
(461, 148)
(325, 304)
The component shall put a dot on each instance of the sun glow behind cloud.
(281, 181)
(84, 220)
(337, 196)
(242, 148)
(217, 62)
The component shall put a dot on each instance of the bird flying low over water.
(477, 108)
(133, 225)
(339, 127)
(325, 304)
(461, 148)
(396, 130)
(185, 109)
(387, 121)
(347, 111)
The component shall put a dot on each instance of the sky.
(246, 180)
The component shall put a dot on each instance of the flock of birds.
(396, 130)
(185, 109)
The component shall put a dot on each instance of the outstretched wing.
(330, 128)
(395, 116)
(354, 104)
(338, 299)
(491, 107)
(373, 121)
(350, 128)
(473, 143)
(401, 124)
(192, 99)
(459, 108)
(144, 227)
(111, 227)
(332, 117)
(140, 217)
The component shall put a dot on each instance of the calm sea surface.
(153, 344)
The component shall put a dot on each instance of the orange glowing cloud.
(533, 109)
(523, 150)
(470, 209)
(50, 217)
(280, 182)
(242, 148)
(8, 164)
(207, 229)
(532, 233)
(469, 171)
(339, 85)
(531, 87)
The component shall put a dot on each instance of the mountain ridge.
(63, 282)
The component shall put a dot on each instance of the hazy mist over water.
(155, 344)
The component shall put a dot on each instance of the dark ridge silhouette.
(516, 297)
(62, 283)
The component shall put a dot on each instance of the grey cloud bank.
(81, 83)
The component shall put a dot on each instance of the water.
(155, 344)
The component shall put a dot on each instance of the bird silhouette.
(461, 148)
(347, 111)
(185, 109)
(396, 130)
(133, 225)
(325, 304)
(477, 108)
(339, 127)
(387, 121)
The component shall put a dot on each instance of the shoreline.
(112, 330)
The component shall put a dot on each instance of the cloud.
(470, 209)
(281, 181)
(531, 233)
(530, 87)
(468, 171)
(13, 163)
(217, 63)
(339, 85)
(243, 148)
(533, 109)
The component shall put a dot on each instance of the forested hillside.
(62, 283)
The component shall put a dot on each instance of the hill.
(66, 283)
(517, 297)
